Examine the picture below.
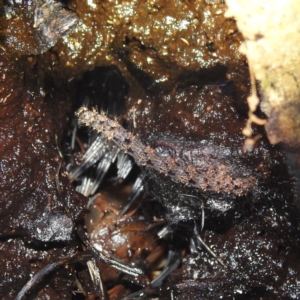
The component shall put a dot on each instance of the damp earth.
(171, 73)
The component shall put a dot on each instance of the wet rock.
(53, 226)
(258, 262)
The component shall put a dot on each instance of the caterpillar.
(215, 177)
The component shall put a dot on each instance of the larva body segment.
(184, 168)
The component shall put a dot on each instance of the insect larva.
(209, 176)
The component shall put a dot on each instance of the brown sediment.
(34, 193)
(19, 260)
(186, 82)
(269, 250)
(34, 27)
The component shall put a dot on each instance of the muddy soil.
(172, 73)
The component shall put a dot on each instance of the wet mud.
(172, 74)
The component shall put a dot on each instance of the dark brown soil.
(185, 85)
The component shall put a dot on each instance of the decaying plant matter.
(272, 47)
